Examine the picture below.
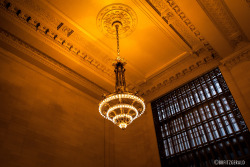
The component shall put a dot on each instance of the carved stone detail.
(68, 31)
(232, 61)
(116, 13)
(31, 7)
(79, 39)
(50, 33)
(161, 6)
(179, 21)
(223, 19)
(168, 15)
(179, 75)
(49, 61)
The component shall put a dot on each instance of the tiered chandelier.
(121, 107)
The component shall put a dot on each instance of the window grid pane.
(200, 120)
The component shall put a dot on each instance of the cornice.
(177, 76)
(219, 13)
(231, 61)
(94, 89)
(238, 57)
(177, 20)
(54, 30)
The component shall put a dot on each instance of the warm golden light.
(121, 107)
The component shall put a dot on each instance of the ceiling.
(168, 32)
(147, 49)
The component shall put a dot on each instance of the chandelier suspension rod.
(117, 39)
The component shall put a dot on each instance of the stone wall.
(44, 121)
(235, 70)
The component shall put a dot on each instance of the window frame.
(184, 138)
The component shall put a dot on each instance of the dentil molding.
(177, 20)
(219, 13)
(54, 30)
(167, 81)
(231, 61)
(94, 89)
(237, 58)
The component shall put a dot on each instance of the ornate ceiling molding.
(93, 89)
(112, 14)
(178, 76)
(177, 20)
(230, 62)
(237, 58)
(219, 13)
(58, 35)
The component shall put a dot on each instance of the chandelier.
(121, 107)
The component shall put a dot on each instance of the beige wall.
(241, 74)
(237, 77)
(45, 122)
(136, 146)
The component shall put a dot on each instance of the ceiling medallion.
(122, 106)
(116, 13)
